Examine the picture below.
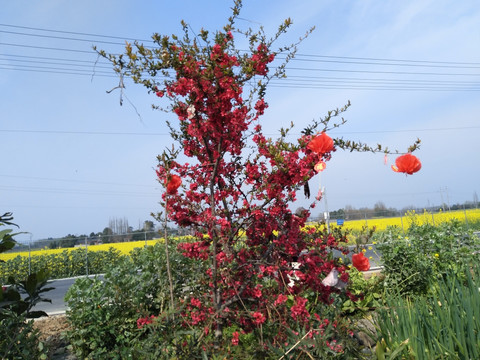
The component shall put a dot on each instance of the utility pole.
(443, 202)
(327, 214)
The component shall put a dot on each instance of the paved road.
(62, 285)
(57, 296)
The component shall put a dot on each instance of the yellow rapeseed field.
(469, 216)
(124, 247)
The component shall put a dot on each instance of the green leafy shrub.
(18, 340)
(367, 293)
(414, 261)
(103, 314)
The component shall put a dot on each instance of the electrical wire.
(73, 181)
(60, 132)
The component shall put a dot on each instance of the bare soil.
(51, 331)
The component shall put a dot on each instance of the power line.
(61, 38)
(306, 80)
(366, 87)
(62, 66)
(356, 79)
(84, 132)
(73, 181)
(59, 72)
(386, 64)
(49, 48)
(298, 55)
(74, 33)
(89, 63)
(167, 134)
(383, 72)
(384, 59)
(50, 58)
(74, 191)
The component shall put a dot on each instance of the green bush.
(367, 293)
(414, 261)
(18, 340)
(103, 314)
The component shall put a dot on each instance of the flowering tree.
(235, 192)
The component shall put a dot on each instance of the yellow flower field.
(124, 247)
(470, 216)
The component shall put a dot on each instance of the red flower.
(407, 164)
(360, 262)
(321, 144)
(235, 335)
(258, 318)
(173, 183)
(280, 299)
(141, 322)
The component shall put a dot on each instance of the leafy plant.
(407, 270)
(366, 293)
(103, 313)
(414, 261)
(18, 340)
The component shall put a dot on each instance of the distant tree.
(379, 209)
(337, 214)
(148, 225)
(118, 225)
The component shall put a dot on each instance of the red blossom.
(280, 299)
(258, 318)
(298, 310)
(173, 183)
(360, 262)
(235, 336)
(141, 322)
(321, 144)
(407, 164)
(195, 302)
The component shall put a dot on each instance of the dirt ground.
(50, 333)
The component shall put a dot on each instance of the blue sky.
(73, 157)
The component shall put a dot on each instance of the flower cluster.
(141, 322)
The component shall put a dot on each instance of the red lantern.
(320, 166)
(173, 183)
(321, 144)
(407, 164)
(360, 262)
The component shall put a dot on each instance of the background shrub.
(414, 261)
(103, 314)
